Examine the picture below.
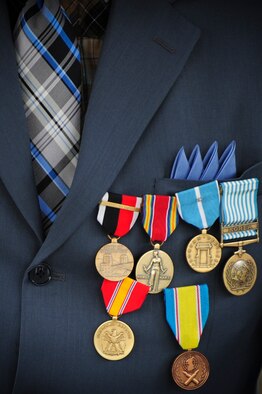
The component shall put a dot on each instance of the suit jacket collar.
(15, 159)
(146, 46)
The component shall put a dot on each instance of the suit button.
(40, 275)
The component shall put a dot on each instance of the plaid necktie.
(50, 75)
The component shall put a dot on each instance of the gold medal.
(155, 269)
(114, 340)
(240, 273)
(199, 207)
(190, 370)
(203, 252)
(114, 261)
(117, 214)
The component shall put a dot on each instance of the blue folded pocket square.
(208, 169)
(180, 167)
(210, 163)
(227, 163)
(195, 164)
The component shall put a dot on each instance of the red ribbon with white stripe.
(118, 213)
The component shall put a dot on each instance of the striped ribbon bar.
(187, 311)
(124, 296)
(118, 213)
(199, 206)
(159, 216)
(239, 209)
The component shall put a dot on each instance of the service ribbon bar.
(159, 216)
(187, 311)
(239, 211)
(199, 206)
(124, 296)
(118, 213)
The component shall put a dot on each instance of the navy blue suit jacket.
(171, 74)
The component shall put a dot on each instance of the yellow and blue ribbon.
(187, 310)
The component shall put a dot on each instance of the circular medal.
(240, 273)
(155, 269)
(190, 370)
(114, 261)
(203, 253)
(114, 340)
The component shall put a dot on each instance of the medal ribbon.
(159, 216)
(239, 206)
(118, 213)
(124, 296)
(199, 206)
(187, 311)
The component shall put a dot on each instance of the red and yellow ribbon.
(124, 296)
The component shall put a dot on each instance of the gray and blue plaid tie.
(50, 75)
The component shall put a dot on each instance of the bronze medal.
(155, 269)
(203, 252)
(239, 228)
(114, 340)
(114, 261)
(190, 370)
(240, 273)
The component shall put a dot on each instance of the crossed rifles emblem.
(191, 378)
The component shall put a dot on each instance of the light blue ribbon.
(199, 206)
(239, 206)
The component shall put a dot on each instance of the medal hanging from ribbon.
(114, 339)
(155, 268)
(187, 310)
(117, 214)
(239, 227)
(199, 206)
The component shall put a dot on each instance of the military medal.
(199, 206)
(114, 340)
(117, 214)
(239, 227)
(187, 311)
(155, 268)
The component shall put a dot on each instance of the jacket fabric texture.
(171, 73)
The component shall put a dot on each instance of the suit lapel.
(146, 46)
(15, 159)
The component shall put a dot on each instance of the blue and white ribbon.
(199, 206)
(239, 206)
